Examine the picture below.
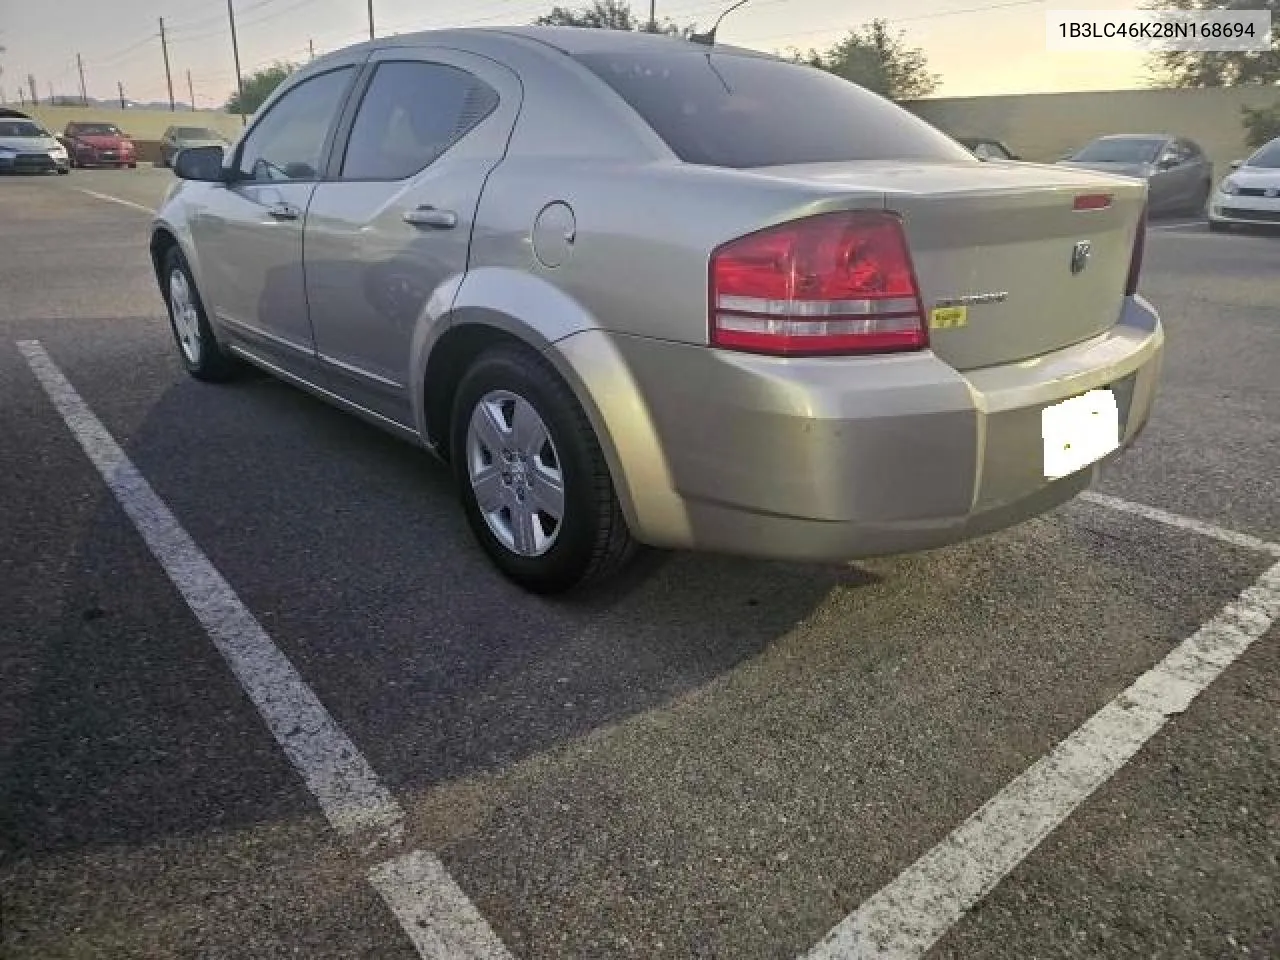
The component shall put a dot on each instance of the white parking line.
(435, 913)
(1183, 523)
(442, 923)
(119, 200)
(907, 917)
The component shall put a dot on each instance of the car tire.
(1217, 226)
(63, 171)
(133, 166)
(198, 349)
(508, 391)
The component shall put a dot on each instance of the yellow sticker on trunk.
(944, 318)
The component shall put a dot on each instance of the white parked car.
(1251, 194)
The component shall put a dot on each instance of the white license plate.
(1078, 432)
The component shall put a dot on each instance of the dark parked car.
(1179, 176)
(99, 145)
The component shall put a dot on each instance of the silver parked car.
(27, 147)
(1251, 194)
(1179, 176)
(176, 139)
(633, 295)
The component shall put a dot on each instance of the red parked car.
(99, 145)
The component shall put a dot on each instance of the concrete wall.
(1045, 126)
(140, 124)
(146, 127)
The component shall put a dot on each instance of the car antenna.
(709, 38)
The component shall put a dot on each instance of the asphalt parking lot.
(1059, 741)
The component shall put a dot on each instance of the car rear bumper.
(1263, 211)
(838, 458)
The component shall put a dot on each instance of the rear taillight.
(836, 283)
(1135, 261)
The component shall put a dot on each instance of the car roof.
(569, 40)
(1138, 136)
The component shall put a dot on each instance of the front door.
(248, 233)
(391, 227)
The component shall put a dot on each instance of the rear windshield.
(20, 128)
(95, 129)
(195, 133)
(739, 111)
(1268, 156)
(1120, 151)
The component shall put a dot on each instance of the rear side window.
(727, 110)
(411, 114)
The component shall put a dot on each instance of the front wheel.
(200, 353)
(534, 483)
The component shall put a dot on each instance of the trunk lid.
(998, 240)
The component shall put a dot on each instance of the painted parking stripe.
(1179, 522)
(119, 200)
(335, 771)
(437, 916)
(442, 923)
(906, 918)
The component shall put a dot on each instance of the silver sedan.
(640, 290)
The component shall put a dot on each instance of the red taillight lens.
(1135, 262)
(836, 283)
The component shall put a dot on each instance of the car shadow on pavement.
(350, 548)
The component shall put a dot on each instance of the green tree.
(1193, 68)
(1261, 125)
(609, 15)
(875, 58)
(258, 86)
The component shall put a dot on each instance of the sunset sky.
(1000, 49)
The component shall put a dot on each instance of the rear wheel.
(533, 480)
(199, 351)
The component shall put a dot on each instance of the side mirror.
(1167, 162)
(200, 163)
(1236, 164)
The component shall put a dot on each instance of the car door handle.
(431, 217)
(284, 211)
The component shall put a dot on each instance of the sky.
(976, 51)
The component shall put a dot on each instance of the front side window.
(288, 142)
(411, 114)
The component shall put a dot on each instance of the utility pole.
(49, 84)
(35, 95)
(370, 19)
(235, 48)
(168, 75)
(120, 88)
(653, 16)
(311, 45)
(191, 92)
(84, 91)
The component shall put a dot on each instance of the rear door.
(392, 223)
